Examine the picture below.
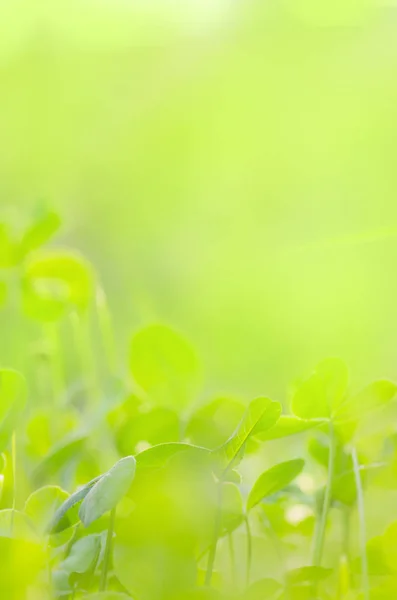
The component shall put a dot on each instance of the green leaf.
(42, 505)
(307, 575)
(65, 516)
(319, 450)
(108, 490)
(55, 281)
(16, 525)
(7, 248)
(263, 588)
(372, 397)
(322, 394)
(13, 395)
(210, 425)
(232, 508)
(201, 593)
(378, 553)
(164, 365)
(157, 456)
(260, 415)
(83, 556)
(3, 293)
(59, 457)
(40, 231)
(156, 426)
(288, 425)
(273, 480)
(107, 596)
(153, 569)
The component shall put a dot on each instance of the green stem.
(362, 527)
(14, 469)
(106, 330)
(217, 530)
(232, 555)
(14, 478)
(108, 552)
(57, 372)
(344, 561)
(249, 550)
(81, 332)
(320, 533)
(276, 542)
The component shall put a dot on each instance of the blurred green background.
(229, 167)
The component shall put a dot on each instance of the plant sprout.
(125, 479)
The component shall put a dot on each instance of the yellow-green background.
(229, 166)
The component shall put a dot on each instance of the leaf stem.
(56, 365)
(232, 555)
(14, 478)
(217, 529)
(249, 549)
(320, 533)
(106, 330)
(108, 551)
(81, 331)
(362, 527)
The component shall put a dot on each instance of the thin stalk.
(57, 371)
(320, 532)
(275, 540)
(232, 555)
(108, 552)
(344, 561)
(81, 333)
(14, 478)
(217, 530)
(106, 330)
(14, 469)
(249, 550)
(362, 527)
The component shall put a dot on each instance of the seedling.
(214, 498)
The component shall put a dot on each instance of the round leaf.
(55, 281)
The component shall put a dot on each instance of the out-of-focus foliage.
(228, 164)
(123, 479)
(228, 167)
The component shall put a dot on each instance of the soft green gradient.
(229, 167)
